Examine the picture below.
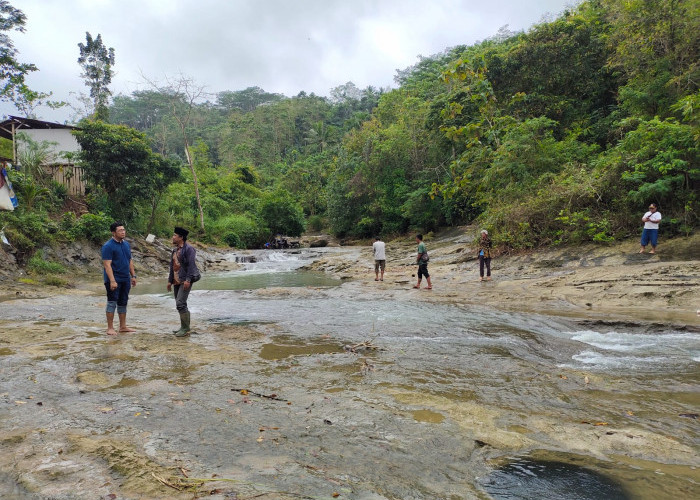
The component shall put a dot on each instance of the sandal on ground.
(416, 286)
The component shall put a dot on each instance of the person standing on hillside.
(650, 233)
(484, 255)
(183, 273)
(119, 277)
(378, 248)
(422, 261)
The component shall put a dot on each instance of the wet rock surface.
(315, 392)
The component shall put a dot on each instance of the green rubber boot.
(182, 325)
(184, 330)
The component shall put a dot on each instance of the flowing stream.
(454, 400)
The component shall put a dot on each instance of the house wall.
(62, 137)
(62, 170)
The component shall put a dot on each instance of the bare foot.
(111, 331)
(652, 251)
(641, 251)
(428, 287)
(126, 329)
(488, 279)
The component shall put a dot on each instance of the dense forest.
(558, 135)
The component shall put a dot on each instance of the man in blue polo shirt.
(119, 276)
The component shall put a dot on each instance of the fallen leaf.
(244, 392)
(563, 376)
(105, 409)
(601, 423)
(336, 494)
(137, 414)
(260, 439)
(20, 402)
(630, 413)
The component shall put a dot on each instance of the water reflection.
(259, 270)
(528, 479)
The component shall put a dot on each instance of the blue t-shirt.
(120, 255)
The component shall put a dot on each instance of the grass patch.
(55, 281)
(38, 265)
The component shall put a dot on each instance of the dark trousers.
(484, 260)
(120, 295)
(181, 297)
(423, 270)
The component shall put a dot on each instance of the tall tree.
(12, 72)
(119, 160)
(97, 61)
(183, 94)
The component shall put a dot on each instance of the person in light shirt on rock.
(650, 233)
(378, 248)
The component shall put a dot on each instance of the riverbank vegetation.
(558, 135)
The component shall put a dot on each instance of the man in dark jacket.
(183, 273)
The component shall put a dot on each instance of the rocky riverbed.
(367, 390)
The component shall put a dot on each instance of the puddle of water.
(288, 349)
(431, 417)
(126, 382)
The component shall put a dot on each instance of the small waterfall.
(245, 259)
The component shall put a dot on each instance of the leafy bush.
(40, 266)
(316, 223)
(281, 214)
(240, 231)
(92, 227)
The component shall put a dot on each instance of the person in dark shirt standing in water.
(119, 276)
(183, 273)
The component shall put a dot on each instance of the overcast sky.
(283, 46)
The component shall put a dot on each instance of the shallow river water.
(364, 390)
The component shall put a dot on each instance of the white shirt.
(653, 223)
(378, 247)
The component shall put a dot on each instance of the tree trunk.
(196, 184)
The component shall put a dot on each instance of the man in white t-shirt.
(379, 258)
(650, 233)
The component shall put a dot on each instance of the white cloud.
(280, 45)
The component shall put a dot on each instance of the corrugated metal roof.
(27, 123)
